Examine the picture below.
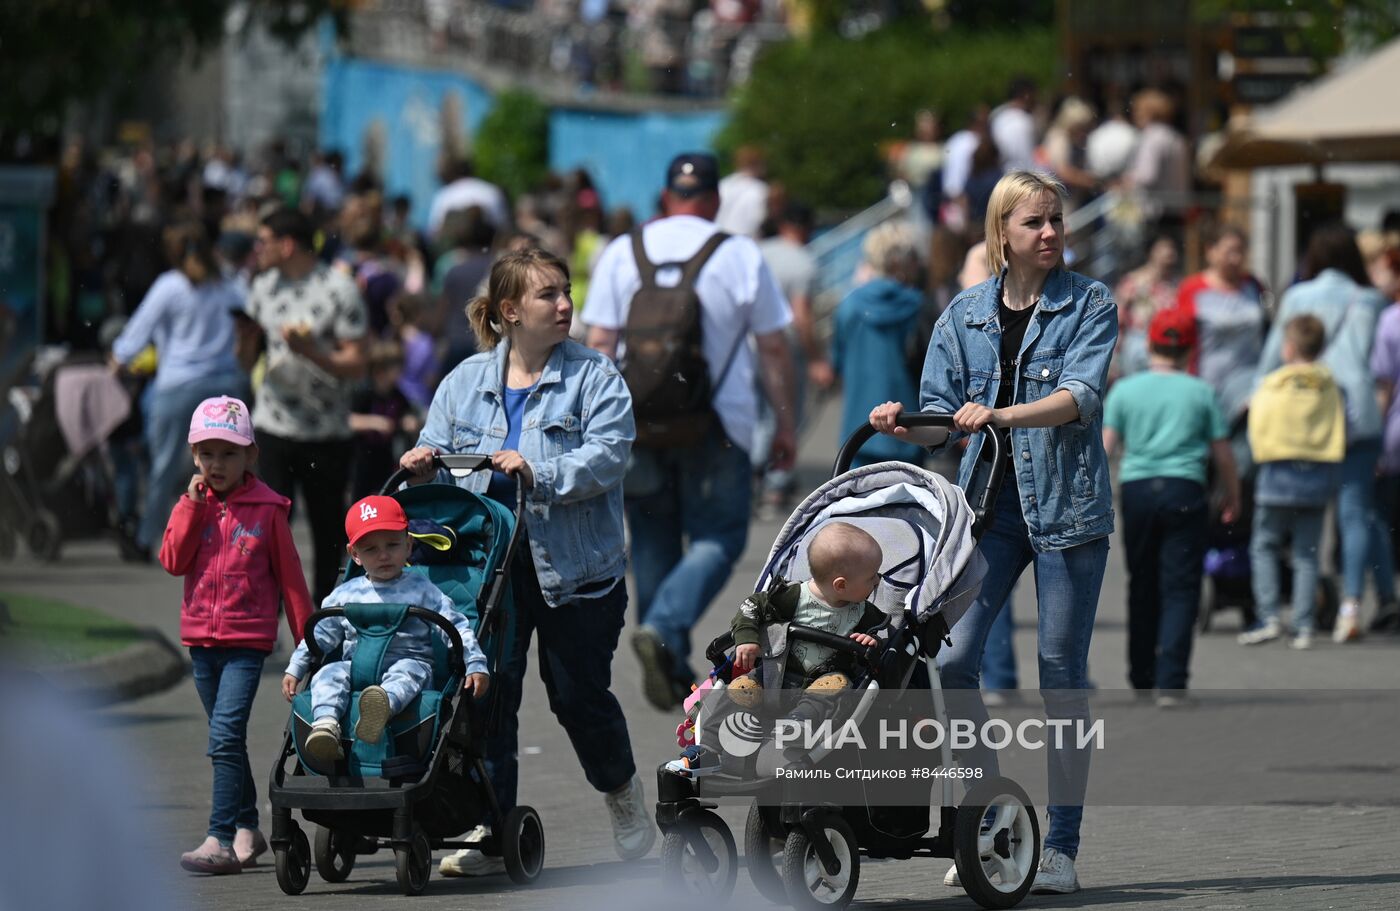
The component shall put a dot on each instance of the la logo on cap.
(368, 512)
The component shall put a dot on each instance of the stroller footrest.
(402, 767)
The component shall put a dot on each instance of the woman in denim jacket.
(556, 417)
(1028, 350)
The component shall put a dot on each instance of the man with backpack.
(676, 302)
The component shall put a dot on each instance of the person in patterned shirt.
(314, 321)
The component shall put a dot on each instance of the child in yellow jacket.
(1297, 432)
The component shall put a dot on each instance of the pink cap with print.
(222, 418)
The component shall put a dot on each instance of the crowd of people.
(310, 300)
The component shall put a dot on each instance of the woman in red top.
(229, 537)
(1227, 304)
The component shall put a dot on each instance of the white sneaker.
(1267, 631)
(472, 861)
(1346, 629)
(1302, 641)
(950, 878)
(633, 832)
(323, 743)
(1056, 874)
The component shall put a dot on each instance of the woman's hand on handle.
(419, 461)
(508, 461)
(972, 417)
(883, 417)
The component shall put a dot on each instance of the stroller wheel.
(996, 859)
(699, 857)
(1210, 599)
(414, 864)
(293, 863)
(809, 883)
(522, 845)
(45, 537)
(335, 854)
(763, 854)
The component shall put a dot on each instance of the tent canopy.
(1347, 116)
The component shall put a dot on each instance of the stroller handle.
(982, 500)
(500, 577)
(459, 666)
(840, 643)
(471, 461)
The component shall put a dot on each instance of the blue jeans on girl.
(227, 680)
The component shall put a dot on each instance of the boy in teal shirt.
(1168, 424)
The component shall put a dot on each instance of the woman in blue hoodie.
(868, 346)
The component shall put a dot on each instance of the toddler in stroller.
(845, 564)
(423, 782)
(803, 850)
(377, 530)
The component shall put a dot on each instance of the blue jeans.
(1164, 530)
(167, 441)
(1067, 584)
(1365, 533)
(1272, 526)
(999, 655)
(227, 680)
(698, 496)
(577, 642)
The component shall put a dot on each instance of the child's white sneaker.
(1267, 631)
(1346, 628)
(374, 714)
(323, 743)
(633, 833)
(1056, 874)
(1302, 641)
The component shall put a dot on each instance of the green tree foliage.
(823, 110)
(512, 144)
(54, 52)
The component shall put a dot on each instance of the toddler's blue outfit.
(408, 663)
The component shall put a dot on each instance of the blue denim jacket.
(577, 435)
(1062, 472)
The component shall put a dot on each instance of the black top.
(1013, 331)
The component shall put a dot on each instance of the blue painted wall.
(626, 153)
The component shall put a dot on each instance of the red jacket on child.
(238, 561)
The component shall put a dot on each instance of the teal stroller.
(425, 782)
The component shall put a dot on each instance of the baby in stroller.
(844, 561)
(377, 529)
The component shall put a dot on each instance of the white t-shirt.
(1013, 131)
(957, 162)
(1110, 148)
(465, 193)
(738, 296)
(743, 204)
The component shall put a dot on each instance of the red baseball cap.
(374, 514)
(1173, 327)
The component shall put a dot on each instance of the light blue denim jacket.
(1349, 313)
(577, 435)
(1062, 472)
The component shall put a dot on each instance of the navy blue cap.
(693, 173)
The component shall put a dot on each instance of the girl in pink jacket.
(229, 537)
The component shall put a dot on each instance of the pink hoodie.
(238, 561)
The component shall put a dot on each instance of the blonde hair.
(840, 549)
(892, 250)
(509, 281)
(1013, 189)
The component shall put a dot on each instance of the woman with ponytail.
(186, 315)
(555, 417)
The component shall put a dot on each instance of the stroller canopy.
(923, 524)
